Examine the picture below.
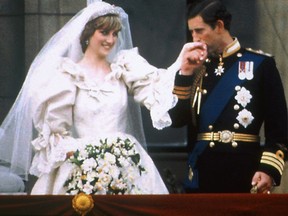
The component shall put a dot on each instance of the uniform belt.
(227, 136)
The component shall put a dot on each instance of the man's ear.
(219, 26)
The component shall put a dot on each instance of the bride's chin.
(105, 53)
(107, 50)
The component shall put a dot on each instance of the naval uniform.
(224, 105)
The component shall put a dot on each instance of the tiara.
(98, 9)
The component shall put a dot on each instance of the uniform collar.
(231, 48)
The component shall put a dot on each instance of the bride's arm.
(52, 119)
(151, 86)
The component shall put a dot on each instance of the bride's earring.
(87, 42)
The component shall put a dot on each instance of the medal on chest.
(220, 69)
(245, 70)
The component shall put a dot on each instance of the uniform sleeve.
(182, 89)
(151, 86)
(275, 122)
(52, 119)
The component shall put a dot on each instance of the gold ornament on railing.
(83, 203)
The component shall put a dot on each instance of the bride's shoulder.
(125, 52)
(127, 55)
(71, 69)
(130, 58)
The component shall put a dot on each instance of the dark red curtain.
(137, 205)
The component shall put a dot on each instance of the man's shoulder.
(258, 52)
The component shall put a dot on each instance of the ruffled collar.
(78, 76)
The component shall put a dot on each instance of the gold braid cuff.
(274, 160)
(182, 93)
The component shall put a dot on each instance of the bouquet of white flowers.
(109, 166)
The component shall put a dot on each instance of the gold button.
(211, 144)
(234, 144)
(239, 55)
(237, 88)
(236, 107)
(204, 91)
(190, 174)
(280, 154)
(236, 126)
(210, 127)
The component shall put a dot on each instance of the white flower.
(245, 117)
(118, 184)
(243, 97)
(100, 188)
(74, 192)
(124, 163)
(91, 176)
(117, 151)
(114, 172)
(88, 165)
(79, 184)
(103, 167)
(125, 152)
(82, 155)
(87, 188)
(110, 158)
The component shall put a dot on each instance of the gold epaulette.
(259, 52)
(183, 93)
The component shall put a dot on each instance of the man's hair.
(210, 11)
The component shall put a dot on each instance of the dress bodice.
(100, 108)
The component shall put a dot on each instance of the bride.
(83, 92)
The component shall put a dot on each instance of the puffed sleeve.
(151, 86)
(52, 118)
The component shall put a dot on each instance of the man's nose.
(195, 38)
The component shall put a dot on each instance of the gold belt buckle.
(226, 136)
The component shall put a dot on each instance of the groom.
(226, 92)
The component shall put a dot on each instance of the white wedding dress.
(72, 107)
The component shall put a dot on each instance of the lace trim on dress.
(51, 152)
(164, 100)
(78, 79)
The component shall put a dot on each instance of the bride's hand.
(193, 55)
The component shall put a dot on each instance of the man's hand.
(262, 182)
(193, 55)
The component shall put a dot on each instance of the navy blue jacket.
(267, 105)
